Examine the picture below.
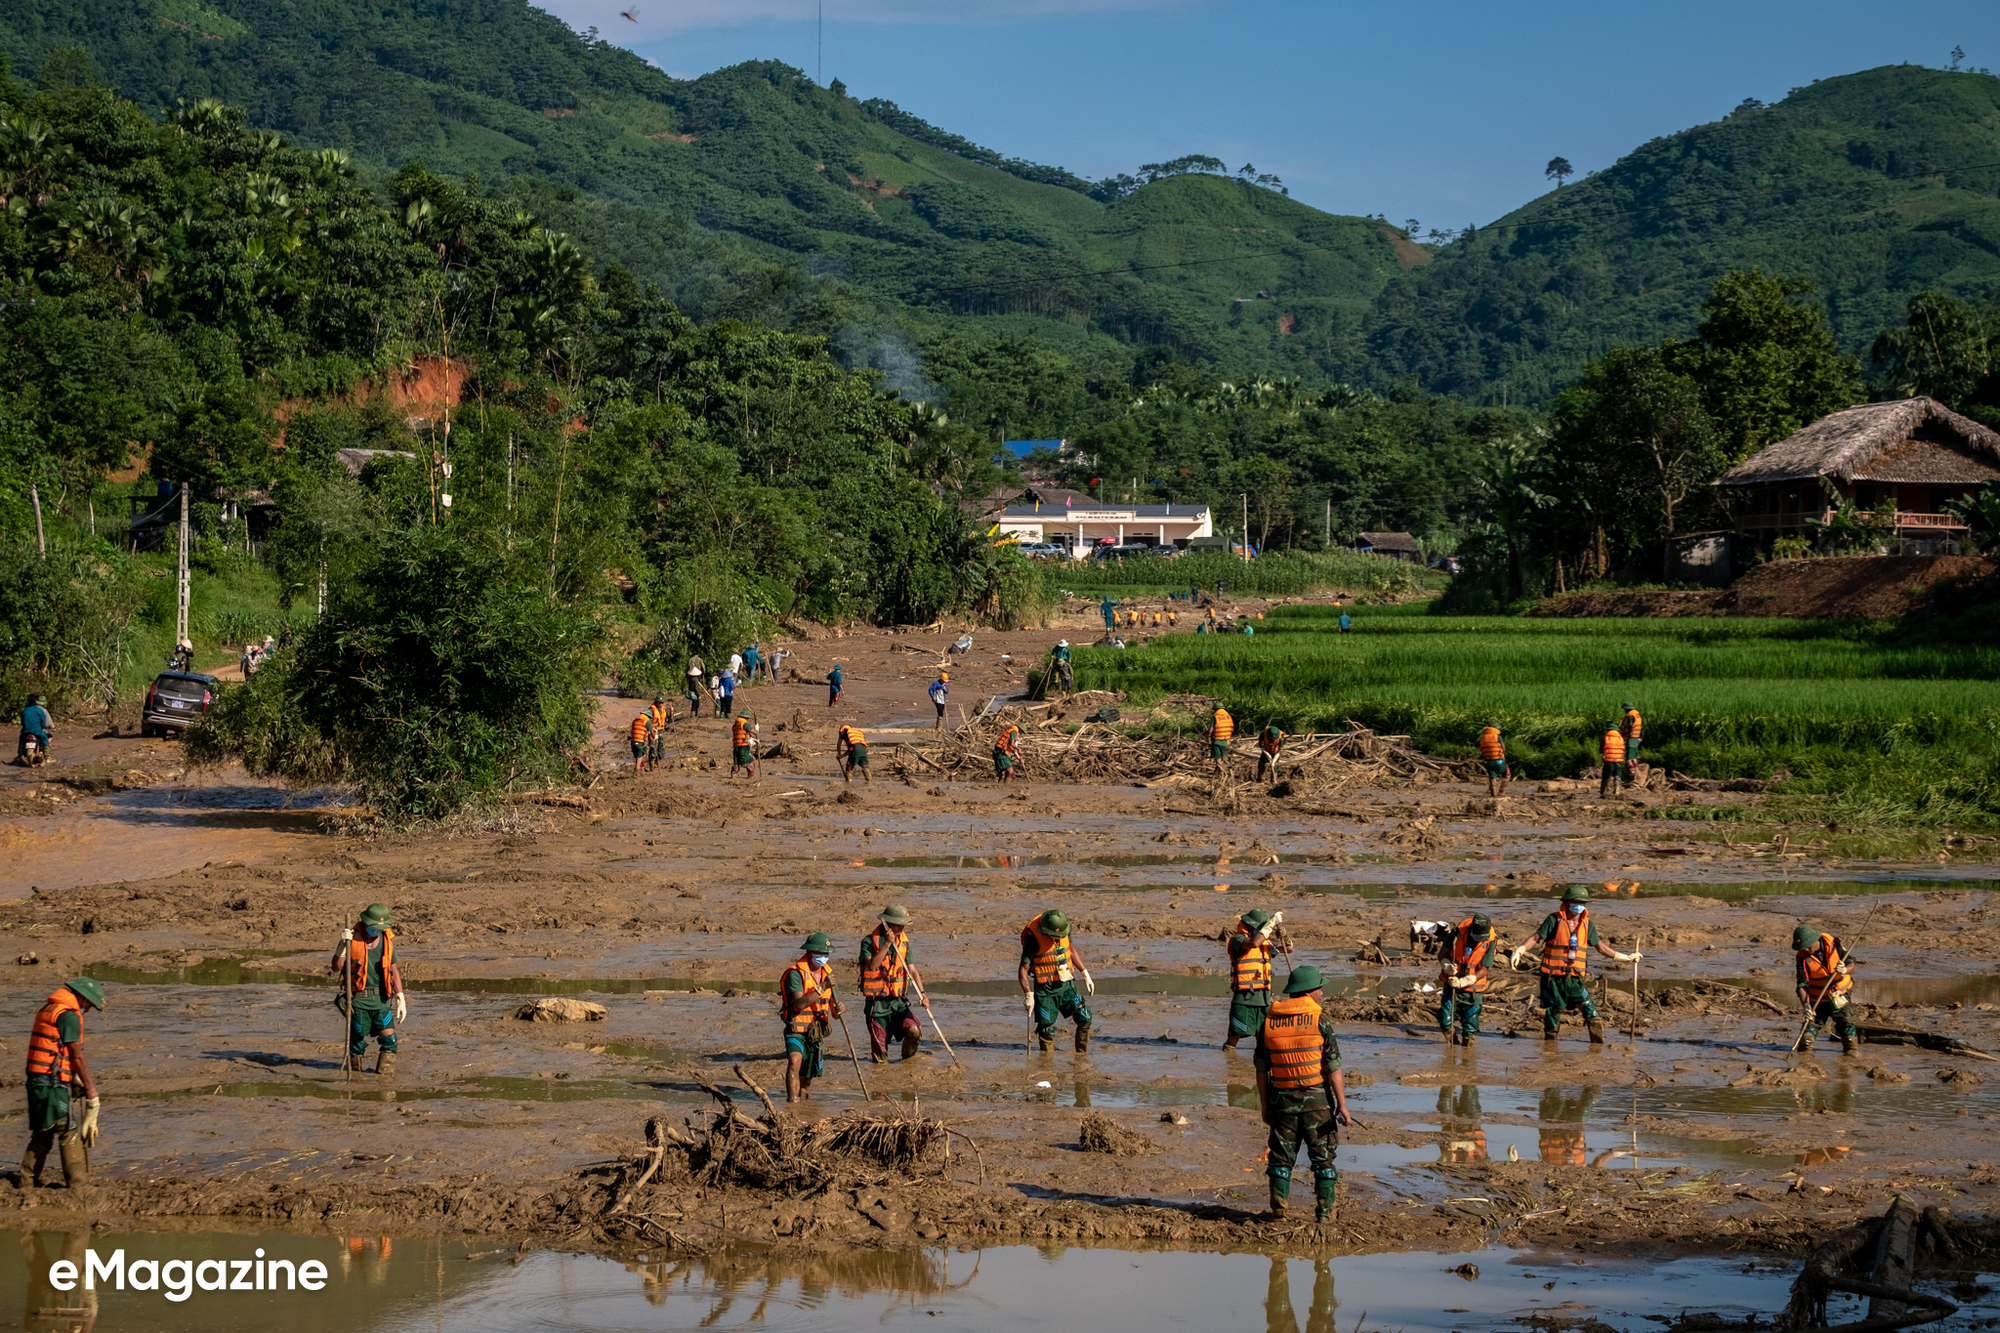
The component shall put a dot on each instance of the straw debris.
(1102, 1134)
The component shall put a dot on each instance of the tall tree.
(1559, 170)
(1767, 363)
(1507, 498)
(1945, 350)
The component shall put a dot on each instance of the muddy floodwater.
(387, 1284)
(620, 1169)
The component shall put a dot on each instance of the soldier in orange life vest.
(1493, 758)
(886, 977)
(374, 1002)
(1563, 940)
(743, 746)
(851, 748)
(1615, 773)
(642, 735)
(1462, 981)
(1006, 754)
(1220, 728)
(57, 1073)
(1049, 965)
(1250, 953)
(657, 718)
(1298, 1066)
(1633, 727)
(1823, 980)
(809, 1007)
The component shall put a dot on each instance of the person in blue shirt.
(725, 702)
(833, 686)
(753, 661)
(1110, 610)
(35, 722)
(1346, 622)
(940, 688)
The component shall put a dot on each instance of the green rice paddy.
(1872, 730)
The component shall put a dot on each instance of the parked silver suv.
(174, 701)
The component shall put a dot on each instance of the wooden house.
(1916, 453)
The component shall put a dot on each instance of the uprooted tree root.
(1102, 1134)
(1103, 752)
(771, 1153)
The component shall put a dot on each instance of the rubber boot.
(1048, 1044)
(1804, 1044)
(910, 1045)
(1849, 1046)
(1596, 1026)
(76, 1166)
(1082, 1038)
(791, 1085)
(1281, 1189)
(1326, 1186)
(385, 1065)
(1548, 1034)
(32, 1163)
(1468, 1039)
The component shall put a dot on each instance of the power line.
(1497, 226)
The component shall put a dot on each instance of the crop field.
(1279, 575)
(1871, 730)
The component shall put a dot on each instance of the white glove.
(402, 1009)
(1627, 957)
(1028, 1001)
(1460, 983)
(87, 1131)
(1089, 986)
(347, 936)
(1277, 918)
(1514, 958)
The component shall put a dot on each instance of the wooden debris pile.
(1102, 1134)
(1109, 753)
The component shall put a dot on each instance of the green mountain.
(752, 191)
(1876, 185)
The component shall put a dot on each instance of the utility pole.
(321, 613)
(41, 544)
(181, 576)
(1246, 527)
(1327, 541)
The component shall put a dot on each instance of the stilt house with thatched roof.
(1917, 453)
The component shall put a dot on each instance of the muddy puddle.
(385, 1284)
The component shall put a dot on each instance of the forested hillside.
(1875, 186)
(752, 192)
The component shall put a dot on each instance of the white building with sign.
(1079, 528)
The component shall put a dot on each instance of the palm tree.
(1501, 473)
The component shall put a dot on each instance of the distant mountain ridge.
(753, 192)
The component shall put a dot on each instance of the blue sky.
(1446, 112)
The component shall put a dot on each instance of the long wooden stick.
(1812, 1009)
(855, 1056)
(924, 997)
(347, 1009)
(1637, 949)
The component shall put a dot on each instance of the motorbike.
(33, 753)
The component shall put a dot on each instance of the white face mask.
(818, 959)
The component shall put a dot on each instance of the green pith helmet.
(1481, 924)
(377, 915)
(1255, 918)
(1805, 937)
(88, 989)
(1304, 980)
(1576, 893)
(659, 698)
(896, 914)
(817, 942)
(1631, 706)
(1494, 725)
(1054, 923)
(42, 700)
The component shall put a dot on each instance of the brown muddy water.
(381, 1284)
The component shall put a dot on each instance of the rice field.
(1883, 731)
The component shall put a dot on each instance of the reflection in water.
(909, 1275)
(1465, 1141)
(1278, 1316)
(45, 1309)
(1562, 1112)
(1242, 1096)
(368, 1255)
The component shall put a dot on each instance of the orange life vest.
(1471, 954)
(1564, 1145)
(46, 1052)
(657, 715)
(1469, 1146)
(1223, 727)
(1269, 743)
(1563, 954)
(1291, 1036)
(1490, 744)
(1051, 964)
(1634, 724)
(1009, 742)
(853, 736)
(886, 973)
(739, 733)
(1821, 963)
(357, 959)
(1252, 968)
(1614, 747)
(639, 725)
(813, 1003)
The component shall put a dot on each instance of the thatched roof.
(1388, 541)
(1861, 441)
